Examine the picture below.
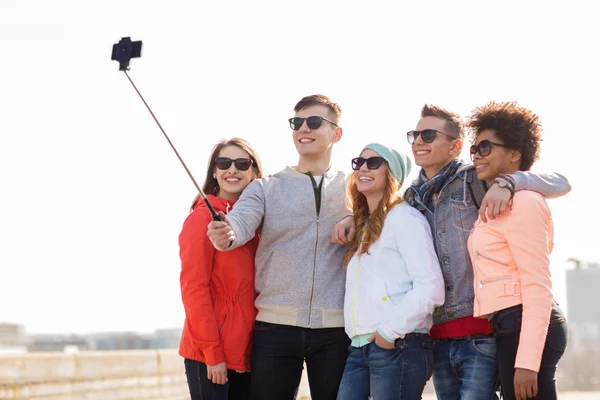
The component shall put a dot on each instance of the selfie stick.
(123, 52)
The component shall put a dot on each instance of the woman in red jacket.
(217, 288)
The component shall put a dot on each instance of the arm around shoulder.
(548, 184)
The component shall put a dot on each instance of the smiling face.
(434, 156)
(371, 182)
(316, 142)
(232, 181)
(500, 160)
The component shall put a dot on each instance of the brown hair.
(320, 100)
(211, 186)
(369, 227)
(518, 128)
(454, 125)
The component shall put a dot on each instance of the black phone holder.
(125, 50)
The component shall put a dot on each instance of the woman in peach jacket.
(510, 257)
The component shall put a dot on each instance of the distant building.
(13, 338)
(159, 339)
(58, 342)
(165, 339)
(583, 302)
(118, 341)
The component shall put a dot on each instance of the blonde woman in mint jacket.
(393, 283)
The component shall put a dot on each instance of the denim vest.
(451, 224)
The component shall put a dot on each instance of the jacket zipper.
(354, 300)
(490, 258)
(223, 324)
(494, 279)
(312, 289)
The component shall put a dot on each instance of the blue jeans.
(507, 329)
(237, 387)
(278, 355)
(465, 369)
(395, 374)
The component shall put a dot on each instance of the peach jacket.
(511, 266)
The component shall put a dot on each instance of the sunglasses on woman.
(313, 122)
(484, 148)
(372, 162)
(241, 164)
(428, 135)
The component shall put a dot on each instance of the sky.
(93, 198)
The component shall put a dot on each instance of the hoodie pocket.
(372, 303)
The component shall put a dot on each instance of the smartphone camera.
(125, 50)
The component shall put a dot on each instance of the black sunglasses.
(313, 122)
(484, 148)
(428, 135)
(372, 162)
(241, 164)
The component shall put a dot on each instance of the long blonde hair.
(369, 227)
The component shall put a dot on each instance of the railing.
(93, 375)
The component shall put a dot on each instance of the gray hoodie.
(300, 276)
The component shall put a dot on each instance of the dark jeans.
(465, 369)
(507, 329)
(236, 388)
(388, 374)
(278, 355)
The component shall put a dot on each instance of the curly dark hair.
(517, 127)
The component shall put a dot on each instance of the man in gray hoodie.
(300, 276)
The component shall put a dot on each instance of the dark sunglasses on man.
(484, 148)
(241, 164)
(313, 122)
(372, 162)
(428, 135)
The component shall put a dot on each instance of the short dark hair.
(320, 100)
(518, 128)
(454, 125)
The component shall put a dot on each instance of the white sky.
(93, 199)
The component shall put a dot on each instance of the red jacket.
(217, 289)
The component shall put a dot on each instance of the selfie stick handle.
(215, 216)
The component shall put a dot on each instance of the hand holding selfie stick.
(123, 52)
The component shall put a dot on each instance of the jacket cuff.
(520, 181)
(527, 364)
(214, 355)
